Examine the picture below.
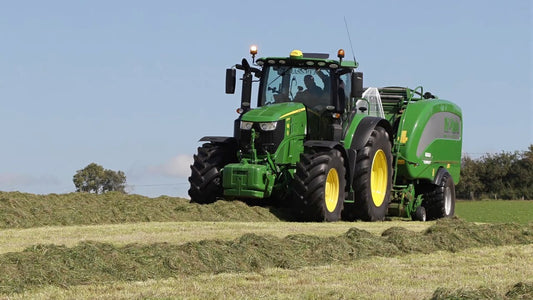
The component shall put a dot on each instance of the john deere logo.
(451, 125)
(452, 128)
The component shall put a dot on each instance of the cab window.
(310, 86)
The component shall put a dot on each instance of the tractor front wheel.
(318, 186)
(206, 179)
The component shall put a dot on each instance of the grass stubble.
(17, 239)
(299, 265)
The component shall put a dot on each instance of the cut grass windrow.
(521, 290)
(411, 276)
(21, 210)
(94, 262)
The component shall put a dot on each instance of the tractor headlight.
(269, 126)
(246, 125)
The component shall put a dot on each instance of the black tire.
(205, 179)
(440, 201)
(420, 214)
(318, 186)
(372, 197)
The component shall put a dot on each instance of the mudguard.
(440, 173)
(364, 129)
(356, 139)
(219, 139)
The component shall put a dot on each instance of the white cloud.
(177, 166)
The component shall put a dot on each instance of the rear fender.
(358, 135)
(440, 173)
(364, 130)
(219, 140)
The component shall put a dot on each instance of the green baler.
(322, 144)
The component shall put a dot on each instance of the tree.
(520, 176)
(505, 175)
(470, 186)
(95, 179)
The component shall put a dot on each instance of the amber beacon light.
(253, 52)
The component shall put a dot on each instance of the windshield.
(310, 86)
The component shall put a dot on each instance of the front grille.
(267, 141)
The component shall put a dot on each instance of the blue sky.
(132, 85)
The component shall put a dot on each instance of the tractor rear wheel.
(373, 177)
(206, 179)
(440, 202)
(318, 186)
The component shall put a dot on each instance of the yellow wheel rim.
(332, 190)
(379, 178)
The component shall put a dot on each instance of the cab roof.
(298, 58)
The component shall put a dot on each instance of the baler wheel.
(440, 202)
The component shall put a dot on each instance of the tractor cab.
(322, 85)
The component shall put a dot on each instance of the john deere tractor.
(321, 143)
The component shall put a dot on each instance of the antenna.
(349, 39)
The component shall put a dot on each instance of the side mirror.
(357, 85)
(230, 81)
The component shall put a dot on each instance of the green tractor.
(319, 142)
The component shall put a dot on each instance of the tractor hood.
(273, 112)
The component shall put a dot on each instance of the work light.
(246, 125)
(269, 126)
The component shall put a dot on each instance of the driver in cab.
(313, 96)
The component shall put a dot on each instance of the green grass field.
(129, 246)
(495, 211)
